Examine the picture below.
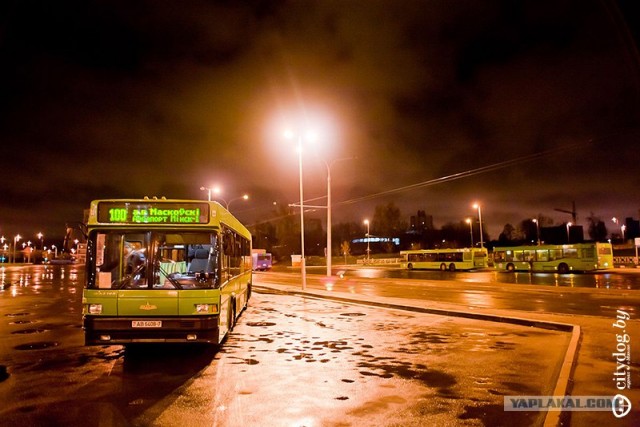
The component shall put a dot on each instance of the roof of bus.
(558, 246)
(222, 215)
(422, 251)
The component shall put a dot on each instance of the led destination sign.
(153, 213)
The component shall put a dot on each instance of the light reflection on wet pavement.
(601, 279)
(295, 362)
(290, 361)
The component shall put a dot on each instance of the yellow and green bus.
(445, 259)
(164, 271)
(575, 257)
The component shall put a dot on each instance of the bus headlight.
(94, 309)
(206, 308)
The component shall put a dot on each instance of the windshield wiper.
(127, 281)
(173, 281)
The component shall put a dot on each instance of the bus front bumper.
(103, 330)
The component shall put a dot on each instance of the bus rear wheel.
(410, 266)
(563, 268)
(443, 267)
(511, 267)
(452, 267)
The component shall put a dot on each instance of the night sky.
(530, 105)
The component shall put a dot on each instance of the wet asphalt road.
(611, 279)
(290, 362)
(602, 302)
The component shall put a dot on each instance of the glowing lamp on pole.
(299, 137)
(477, 206)
(468, 221)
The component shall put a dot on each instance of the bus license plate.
(146, 324)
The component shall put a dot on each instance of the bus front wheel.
(410, 266)
(443, 267)
(452, 267)
(511, 267)
(563, 268)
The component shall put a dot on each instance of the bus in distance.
(575, 257)
(261, 260)
(163, 271)
(445, 259)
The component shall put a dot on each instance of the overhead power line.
(448, 178)
(465, 174)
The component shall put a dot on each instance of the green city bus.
(445, 259)
(554, 258)
(163, 271)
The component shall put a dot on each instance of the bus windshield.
(130, 259)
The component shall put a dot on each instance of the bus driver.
(134, 258)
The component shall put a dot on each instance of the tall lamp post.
(290, 135)
(41, 237)
(477, 206)
(16, 239)
(622, 227)
(208, 190)
(468, 221)
(535, 221)
(568, 232)
(243, 197)
(328, 165)
(4, 246)
(366, 222)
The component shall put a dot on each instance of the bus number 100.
(117, 215)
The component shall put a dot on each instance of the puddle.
(30, 331)
(17, 314)
(260, 324)
(21, 322)
(3, 373)
(352, 314)
(36, 345)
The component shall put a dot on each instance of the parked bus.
(261, 260)
(445, 259)
(162, 270)
(554, 258)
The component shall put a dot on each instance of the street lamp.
(243, 197)
(535, 221)
(468, 221)
(208, 190)
(477, 206)
(622, 226)
(568, 233)
(15, 243)
(310, 136)
(366, 222)
(328, 165)
(41, 237)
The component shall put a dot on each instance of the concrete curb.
(563, 383)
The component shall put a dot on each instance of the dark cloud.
(113, 99)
